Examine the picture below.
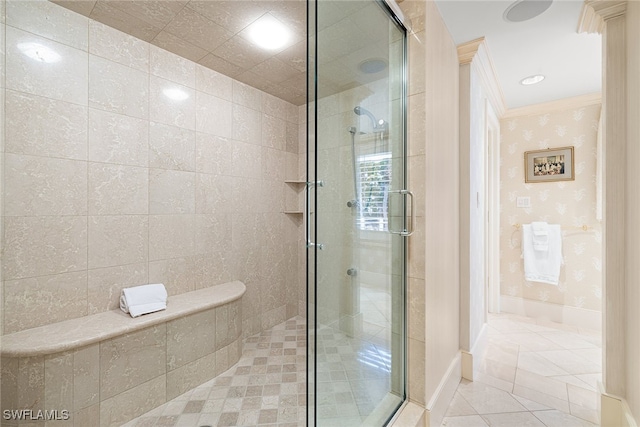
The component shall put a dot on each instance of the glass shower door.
(356, 213)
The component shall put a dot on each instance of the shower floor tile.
(266, 387)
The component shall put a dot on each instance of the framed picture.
(552, 164)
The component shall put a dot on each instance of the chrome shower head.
(377, 124)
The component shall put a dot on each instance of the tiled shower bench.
(108, 368)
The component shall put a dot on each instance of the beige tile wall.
(113, 381)
(109, 183)
(434, 282)
(2, 144)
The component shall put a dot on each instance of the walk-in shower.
(156, 142)
(356, 313)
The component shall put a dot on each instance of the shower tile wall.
(110, 183)
(2, 146)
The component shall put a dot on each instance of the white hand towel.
(540, 236)
(540, 228)
(542, 266)
(143, 299)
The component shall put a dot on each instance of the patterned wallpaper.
(571, 204)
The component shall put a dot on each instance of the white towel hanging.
(542, 264)
(540, 236)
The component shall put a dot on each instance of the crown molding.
(594, 13)
(608, 9)
(589, 21)
(467, 51)
(476, 54)
(559, 105)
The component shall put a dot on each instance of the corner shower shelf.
(297, 185)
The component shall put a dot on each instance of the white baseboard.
(471, 359)
(439, 402)
(574, 316)
(614, 411)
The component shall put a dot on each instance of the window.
(374, 179)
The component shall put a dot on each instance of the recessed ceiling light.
(372, 65)
(269, 33)
(531, 80)
(39, 52)
(175, 94)
(523, 10)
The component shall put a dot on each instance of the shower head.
(377, 124)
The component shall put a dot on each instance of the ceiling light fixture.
(175, 94)
(39, 52)
(523, 10)
(372, 65)
(269, 33)
(531, 80)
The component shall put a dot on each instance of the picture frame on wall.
(550, 165)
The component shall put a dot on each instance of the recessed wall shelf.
(294, 199)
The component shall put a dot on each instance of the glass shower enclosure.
(356, 213)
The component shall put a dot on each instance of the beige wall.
(568, 203)
(109, 184)
(433, 176)
(441, 201)
(633, 209)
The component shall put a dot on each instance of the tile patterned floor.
(533, 373)
(267, 387)
(353, 377)
(354, 374)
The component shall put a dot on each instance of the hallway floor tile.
(532, 373)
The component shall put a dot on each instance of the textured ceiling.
(212, 33)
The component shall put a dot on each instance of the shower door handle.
(406, 232)
(320, 246)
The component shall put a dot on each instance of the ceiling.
(213, 34)
(547, 44)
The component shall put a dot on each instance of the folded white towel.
(540, 236)
(542, 266)
(540, 228)
(143, 299)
